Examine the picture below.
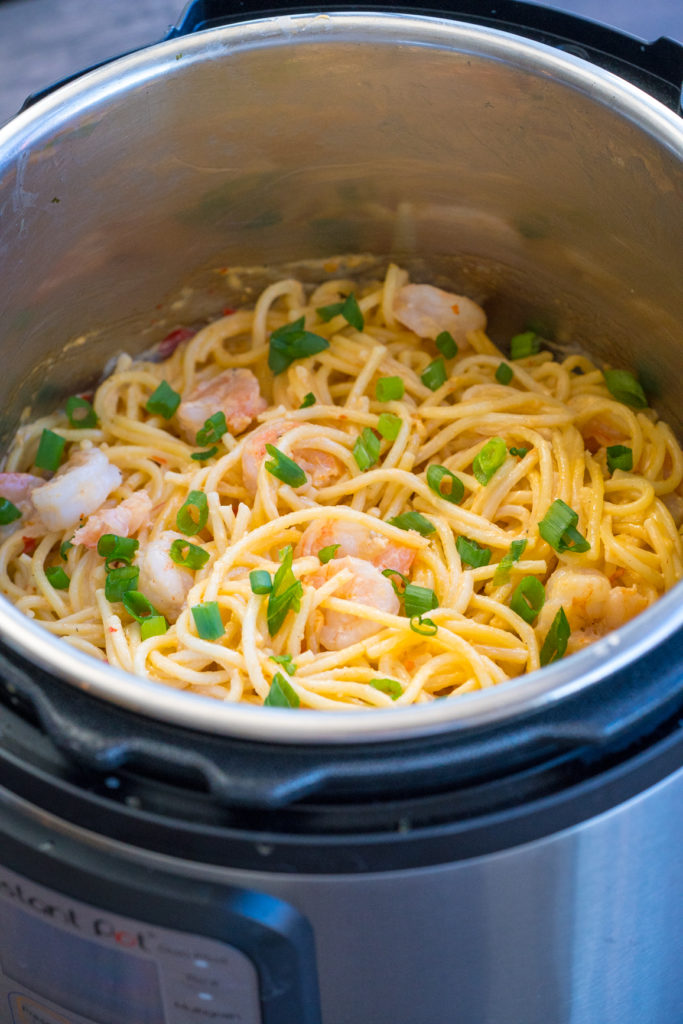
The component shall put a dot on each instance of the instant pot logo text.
(101, 927)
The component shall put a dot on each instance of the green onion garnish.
(281, 694)
(57, 577)
(490, 458)
(137, 605)
(389, 686)
(435, 374)
(555, 643)
(619, 457)
(291, 342)
(389, 425)
(115, 548)
(526, 344)
(425, 627)
(308, 401)
(119, 581)
(413, 521)
(366, 449)
(528, 598)
(8, 512)
(502, 573)
(64, 549)
(446, 344)
(623, 386)
(521, 452)
(164, 401)
(193, 515)
(213, 429)
(155, 625)
(327, 554)
(284, 468)
(80, 412)
(207, 619)
(348, 308)
(286, 593)
(472, 553)
(50, 450)
(445, 484)
(504, 373)
(389, 389)
(203, 456)
(260, 581)
(404, 579)
(418, 600)
(287, 662)
(190, 556)
(558, 528)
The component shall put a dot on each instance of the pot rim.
(539, 690)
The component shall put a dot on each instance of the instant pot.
(508, 857)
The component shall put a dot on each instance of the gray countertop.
(43, 41)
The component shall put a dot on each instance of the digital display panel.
(104, 984)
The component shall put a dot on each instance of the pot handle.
(655, 67)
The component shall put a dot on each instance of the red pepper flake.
(113, 629)
(170, 343)
(456, 308)
(228, 311)
(30, 545)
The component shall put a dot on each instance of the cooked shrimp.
(358, 542)
(163, 582)
(592, 605)
(368, 587)
(124, 520)
(18, 488)
(233, 392)
(320, 467)
(428, 311)
(77, 489)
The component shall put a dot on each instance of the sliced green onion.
(619, 457)
(286, 593)
(489, 459)
(389, 389)
(504, 373)
(389, 425)
(287, 662)
(137, 605)
(454, 490)
(203, 456)
(8, 512)
(389, 686)
(526, 344)
(50, 450)
(190, 556)
(435, 374)
(418, 600)
(155, 625)
(120, 549)
(528, 598)
(64, 549)
(193, 515)
(447, 345)
(213, 429)
(308, 401)
(292, 342)
(260, 581)
(80, 412)
(366, 449)
(207, 619)
(327, 554)
(281, 694)
(119, 581)
(425, 627)
(502, 573)
(284, 468)
(558, 528)
(413, 521)
(555, 643)
(164, 401)
(521, 452)
(348, 308)
(472, 553)
(404, 579)
(623, 386)
(57, 577)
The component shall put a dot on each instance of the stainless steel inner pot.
(538, 183)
